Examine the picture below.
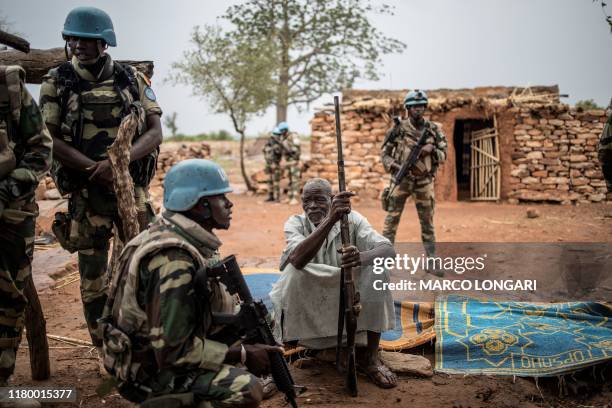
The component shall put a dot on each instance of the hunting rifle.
(349, 297)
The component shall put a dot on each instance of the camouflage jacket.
(291, 147)
(400, 140)
(154, 301)
(273, 150)
(88, 109)
(25, 145)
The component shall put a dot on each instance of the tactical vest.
(406, 140)
(75, 96)
(128, 354)
(10, 105)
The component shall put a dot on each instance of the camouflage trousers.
(16, 250)
(228, 387)
(273, 170)
(423, 192)
(91, 229)
(293, 167)
(605, 158)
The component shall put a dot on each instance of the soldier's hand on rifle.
(351, 258)
(101, 173)
(427, 149)
(341, 204)
(395, 167)
(257, 361)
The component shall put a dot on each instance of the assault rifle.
(409, 163)
(349, 297)
(251, 322)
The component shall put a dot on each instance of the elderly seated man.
(306, 297)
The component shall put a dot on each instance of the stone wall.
(555, 155)
(548, 151)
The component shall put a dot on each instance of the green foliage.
(170, 123)
(234, 78)
(587, 104)
(218, 135)
(319, 46)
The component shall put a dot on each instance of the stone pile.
(555, 156)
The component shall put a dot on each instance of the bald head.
(319, 184)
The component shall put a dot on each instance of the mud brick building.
(504, 143)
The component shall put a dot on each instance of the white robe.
(307, 300)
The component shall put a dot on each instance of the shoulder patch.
(148, 92)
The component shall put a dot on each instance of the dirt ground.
(256, 238)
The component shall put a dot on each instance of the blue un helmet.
(414, 98)
(192, 179)
(90, 22)
(283, 127)
(276, 131)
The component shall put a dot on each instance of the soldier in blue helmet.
(83, 102)
(158, 341)
(282, 144)
(419, 183)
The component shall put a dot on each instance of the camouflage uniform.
(25, 156)
(88, 111)
(418, 183)
(605, 152)
(291, 153)
(273, 154)
(155, 302)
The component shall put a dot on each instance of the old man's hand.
(350, 257)
(341, 204)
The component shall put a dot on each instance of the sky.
(450, 44)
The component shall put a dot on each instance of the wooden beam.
(14, 41)
(36, 332)
(38, 62)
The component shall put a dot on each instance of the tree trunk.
(38, 62)
(242, 168)
(36, 332)
(282, 98)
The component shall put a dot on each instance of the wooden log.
(38, 62)
(36, 332)
(14, 41)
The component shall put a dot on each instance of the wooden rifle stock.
(349, 297)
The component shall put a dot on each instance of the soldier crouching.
(159, 339)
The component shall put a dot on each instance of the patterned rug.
(414, 322)
(520, 338)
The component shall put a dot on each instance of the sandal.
(380, 375)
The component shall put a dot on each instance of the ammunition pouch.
(143, 170)
(61, 228)
(66, 180)
(385, 198)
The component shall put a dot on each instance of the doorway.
(476, 159)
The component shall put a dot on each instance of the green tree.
(587, 104)
(170, 123)
(320, 46)
(234, 78)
